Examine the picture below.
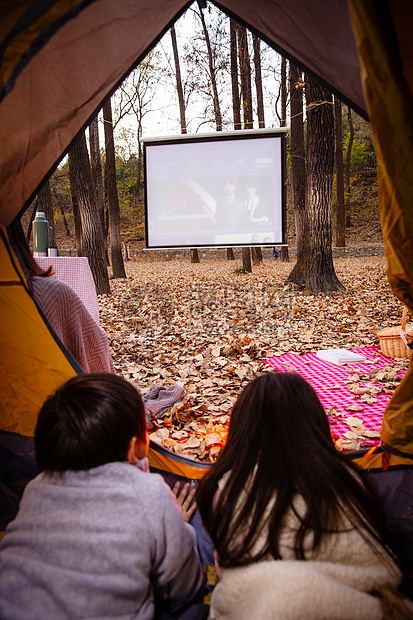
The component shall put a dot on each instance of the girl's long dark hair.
(280, 446)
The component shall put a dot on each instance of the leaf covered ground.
(208, 329)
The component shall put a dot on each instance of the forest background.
(194, 81)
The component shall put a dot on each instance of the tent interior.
(61, 60)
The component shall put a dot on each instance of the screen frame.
(279, 133)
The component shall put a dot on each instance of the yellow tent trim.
(162, 459)
(382, 461)
(11, 272)
(32, 365)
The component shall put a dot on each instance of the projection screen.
(215, 190)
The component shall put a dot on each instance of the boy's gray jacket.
(96, 544)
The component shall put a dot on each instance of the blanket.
(159, 400)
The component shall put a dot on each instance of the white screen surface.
(214, 192)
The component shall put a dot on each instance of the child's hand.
(185, 499)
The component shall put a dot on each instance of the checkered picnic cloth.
(75, 271)
(327, 379)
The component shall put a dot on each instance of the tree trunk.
(178, 81)
(96, 168)
(212, 75)
(245, 74)
(283, 121)
(235, 91)
(246, 259)
(320, 275)
(256, 254)
(341, 210)
(32, 216)
(63, 214)
(96, 165)
(246, 96)
(45, 202)
(180, 90)
(139, 173)
(347, 167)
(76, 212)
(236, 104)
(298, 174)
(283, 89)
(118, 266)
(194, 256)
(92, 237)
(258, 81)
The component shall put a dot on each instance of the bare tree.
(256, 251)
(76, 212)
(320, 276)
(245, 76)
(118, 268)
(96, 168)
(92, 235)
(347, 167)
(45, 202)
(32, 216)
(258, 81)
(63, 214)
(246, 97)
(212, 74)
(283, 121)
(180, 90)
(236, 102)
(283, 92)
(135, 96)
(298, 174)
(341, 210)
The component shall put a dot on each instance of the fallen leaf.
(354, 408)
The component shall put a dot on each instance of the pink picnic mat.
(75, 271)
(328, 381)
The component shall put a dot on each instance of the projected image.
(220, 192)
(182, 204)
(244, 203)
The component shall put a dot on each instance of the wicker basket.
(391, 343)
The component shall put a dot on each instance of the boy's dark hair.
(87, 422)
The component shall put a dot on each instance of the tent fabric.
(24, 28)
(395, 487)
(32, 365)
(388, 83)
(55, 91)
(65, 82)
(314, 34)
(392, 476)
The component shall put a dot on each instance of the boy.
(95, 537)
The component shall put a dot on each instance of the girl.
(64, 310)
(297, 529)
